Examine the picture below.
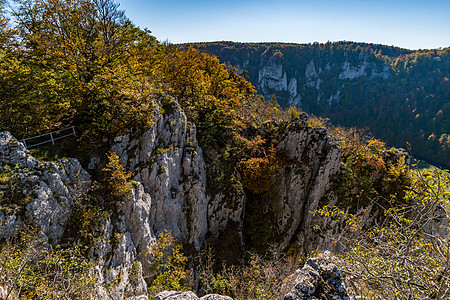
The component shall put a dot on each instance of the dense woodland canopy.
(411, 105)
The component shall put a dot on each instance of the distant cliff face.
(302, 75)
(297, 88)
(400, 95)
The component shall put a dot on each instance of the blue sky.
(409, 24)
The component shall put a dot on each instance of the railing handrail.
(52, 139)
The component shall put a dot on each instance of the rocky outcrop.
(171, 190)
(272, 76)
(46, 189)
(43, 195)
(313, 77)
(298, 188)
(173, 295)
(119, 272)
(169, 193)
(318, 279)
(168, 164)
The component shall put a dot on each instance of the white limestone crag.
(171, 189)
(292, 87)
(169, 165)
(51, 188)
(174, 295)
(298, 187)
(118, 271)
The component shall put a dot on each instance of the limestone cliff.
(302, 185)
(44, 191)
(170, 192)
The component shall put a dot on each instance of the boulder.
(173, 295)
(318, 279)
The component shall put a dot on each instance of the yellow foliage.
(117, 179)
(168, 265)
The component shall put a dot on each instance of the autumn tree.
(74, 62)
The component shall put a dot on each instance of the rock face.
(310, 76)
(273, 78)
(298, 188)
(318, 279)
(44, 197)
(168, 162)
(119, 272)
(47, 189)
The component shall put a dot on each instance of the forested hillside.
(399, 94)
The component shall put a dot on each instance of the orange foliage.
(258, 171)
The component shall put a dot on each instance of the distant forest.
(401, 96)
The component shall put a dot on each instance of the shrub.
(116, 179)
(406, 255)
(168, 268)
(34, 271)
(259, 279)
(258, 171)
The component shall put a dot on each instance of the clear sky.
(411, 24)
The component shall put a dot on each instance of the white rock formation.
(51, 188)
(174, 295)
(169, 165)
(119, 272)
(300, 186)
(311, 75)
(272, 77)
(319, 279)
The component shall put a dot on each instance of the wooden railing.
(53, 136)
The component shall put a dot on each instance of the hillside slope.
(400, 95)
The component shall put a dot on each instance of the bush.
(407, 254)
(168, 268)
(258, 171)
(35, 271)
(259, 279)
(117, 181)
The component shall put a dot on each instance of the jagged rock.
(51, 187)
(14, 153)
(168, 162)
(318, 279)
(173, 295)
(271, 76)
(118, 272)
(298, 79)
(169, 193)
(298, 187)
(215, 297)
